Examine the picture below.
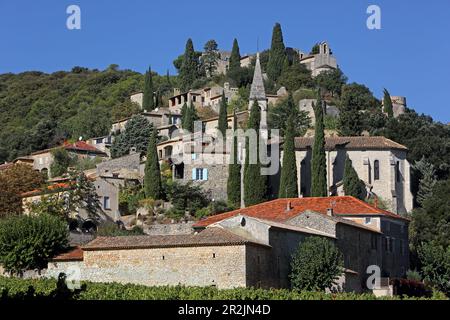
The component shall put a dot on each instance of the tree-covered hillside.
(40, 110)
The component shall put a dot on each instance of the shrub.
(28, 242)
(315, 265)
(435, 261)
(13, 288)
(113, 230)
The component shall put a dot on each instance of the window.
(368, 220)
(402, 247)
(106, 203)
(200, 174)
(397, 171)
(214, 255)
(99, 141)
(373, 242)
(391, 244)
(376, 170)
(193, 156)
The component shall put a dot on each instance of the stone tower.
(258, 93)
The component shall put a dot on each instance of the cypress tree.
(189, 67)
(223, 123)
(387, 102)
(152, 177)
(190, 117)
(277, 54)
(288, 181)
(235, 57)
(234, 172)
(148, 102)
(255, 184)
(318, 161)
(353, 186)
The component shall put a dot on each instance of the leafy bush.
(113, 230)
(186, 197)
(13, 288)
(28, 242)
(315, 265)
(435, 261)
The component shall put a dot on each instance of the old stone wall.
(222, 266)
(169, 229)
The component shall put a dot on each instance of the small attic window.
(243, 222)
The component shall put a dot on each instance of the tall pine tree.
(277, 54)
(235, 57)
(387, 102)
(353, 186)
(255, 184)
(152, 177)
(318, 161)
(223, 122)
(234, 172)
(288, 181)
(148, 102)
(189, 67)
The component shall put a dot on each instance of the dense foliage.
(318, 162)
(13, 182)
(288, 180)
(14, 288)
(137, 133)
(435, 261)
(255, 184)
(316, 265)
(152, 177)
(234, 172)
(353, 185)
(277, 54)
(28, 242)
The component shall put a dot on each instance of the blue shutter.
(205, 174)
(193, 174)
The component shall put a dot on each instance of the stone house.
(320, 62)
(381, 163)
(43, 159)
(250, 247)
(398, 105)
(366, 235)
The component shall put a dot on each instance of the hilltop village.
(168, 195)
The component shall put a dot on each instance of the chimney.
(330, 212)
(288, 206)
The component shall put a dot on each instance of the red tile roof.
(74, 254)
(49, 189)
(275, 210)
(81, 146)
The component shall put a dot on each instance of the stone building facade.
(381, 163)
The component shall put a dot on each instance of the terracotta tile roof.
(74, 254)
(275, 210)
(213, 236)
(361, 142)
(49, 189)
(82, 146)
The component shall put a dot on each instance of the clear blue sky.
(409, 55)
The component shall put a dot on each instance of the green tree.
(318, 160)
(288, 180)
(295, 77)
(255, 184)
(190, 117)
(184, 114)
(210, 57)
(234, 172)
(29, 242)
(353, 185)
(357, 102)
(189, 67)
(316, 265)
(277, 55)
(331, 81)
(152, 177)
(223, 119)
(435, 261)
(148, 101)
(61, 162)
(137, 134)
(427, 179)
(14, 181)
(282, 111)
(315, 49)
(387, 103)
(186, 197)
(431, 222)
(235, 57)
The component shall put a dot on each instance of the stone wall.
(169, 229)
(222, 266)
